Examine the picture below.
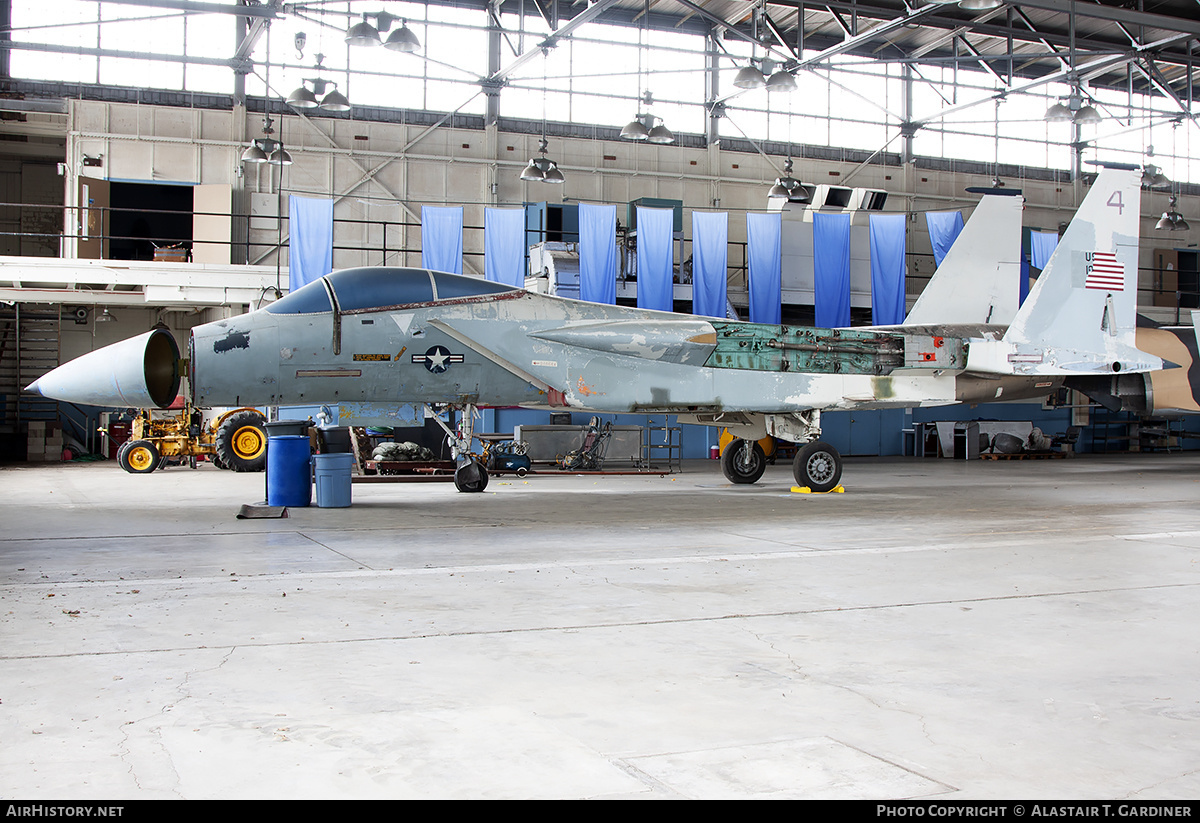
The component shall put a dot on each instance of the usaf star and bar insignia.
(437, 359)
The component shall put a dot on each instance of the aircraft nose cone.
(34, 387)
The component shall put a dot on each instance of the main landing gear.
(817, 465)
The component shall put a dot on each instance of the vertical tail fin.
(1087, 295)
(1081, 315)
(979, 280)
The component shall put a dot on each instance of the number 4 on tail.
(1115, 201)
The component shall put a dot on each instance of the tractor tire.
(139, 457)
(242, 442)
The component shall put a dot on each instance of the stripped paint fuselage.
(507, 347)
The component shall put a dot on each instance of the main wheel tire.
(242, 442)
(818, 466)
(743, 462)
(471, 478)
(139, 457)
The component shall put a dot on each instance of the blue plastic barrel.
(289, 459)
(331, 473)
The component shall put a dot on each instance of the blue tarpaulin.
(310, 240)
(831, 269)
(887, 269)
(655, 259)
(710, 258)
(764, 259)
(944, 227)
(1041, 245)
(504, 246)
(441, 238)
(598, 253)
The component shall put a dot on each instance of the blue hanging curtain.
(831, 269)
(1041, 245)
(441, 238)
(655, 259)
(764, 259)
(887, 269)
(310, 240)
(710, 253)
(504, 246)
(598, 253)
(944, 227)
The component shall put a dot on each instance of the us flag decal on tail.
(1103, 271)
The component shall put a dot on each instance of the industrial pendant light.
(1076, 107)
(660, 134)
(788, 187)
(1172, 220)
(266, 149)
(318, 97)
(403, 40)
(750, 78)
(781, 80)
(541, 169)
(645, 126)
(363, 34)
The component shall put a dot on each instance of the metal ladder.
(29, 347)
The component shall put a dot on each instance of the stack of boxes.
(44, 443)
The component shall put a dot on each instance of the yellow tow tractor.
(234, 440)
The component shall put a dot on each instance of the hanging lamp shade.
(1172, 220)
(788, 187)
(362, 34)
(978, 5)
(660, 134)
(749, 78)
(302, 98)
(553, 175)
(1058, 113)
(779, 191)
(254, 154)
(635, 129)
(781, 81)
(533, 173)
(403, 39)
(1087, 116)
(335, 101)
(280, 157)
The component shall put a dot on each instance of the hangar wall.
(382, 172)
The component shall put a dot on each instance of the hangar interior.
(895, 110)
(568, 641)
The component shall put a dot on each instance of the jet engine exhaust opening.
(161, 367)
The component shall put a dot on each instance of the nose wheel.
(471, 477)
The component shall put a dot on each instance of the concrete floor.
(943, 629)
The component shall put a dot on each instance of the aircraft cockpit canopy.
(379, 286)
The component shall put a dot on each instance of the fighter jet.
(398, 335)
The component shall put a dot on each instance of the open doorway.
(145, 217)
